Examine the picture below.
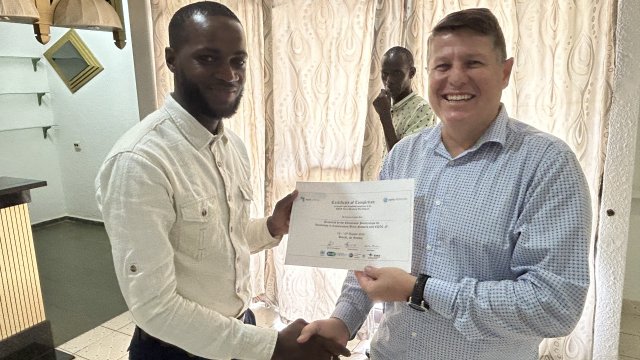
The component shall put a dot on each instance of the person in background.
(502, 221)
(402, 112)
(175, 196)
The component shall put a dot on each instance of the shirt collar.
(496, 132)
(191, 128)
(402, 102)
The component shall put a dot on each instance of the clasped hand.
(315, 347)
(380, 284)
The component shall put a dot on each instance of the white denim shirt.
(175, 201)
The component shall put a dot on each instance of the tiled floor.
(629, 347)
(110, 340)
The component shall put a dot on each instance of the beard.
(198, 103)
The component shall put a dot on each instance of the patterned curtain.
(314, 70)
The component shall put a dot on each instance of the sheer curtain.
(314, 70)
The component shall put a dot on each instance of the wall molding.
(66, 218)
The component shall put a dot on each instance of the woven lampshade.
(23, 11)
(86, 14)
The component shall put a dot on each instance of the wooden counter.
(24, 331)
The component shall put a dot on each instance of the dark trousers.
(145, 347)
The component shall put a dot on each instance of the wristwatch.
(416, 301)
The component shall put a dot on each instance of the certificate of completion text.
(348, 225)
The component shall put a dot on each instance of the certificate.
(348, 225)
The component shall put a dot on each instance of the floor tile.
(630, 307)
(353, 343)
(111, 347)
(84, 340)
(119, 321)
(359, 351)
(629, 345)
(128, 329)
(630, 324)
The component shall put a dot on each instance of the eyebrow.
(464, 56)
(217, 51)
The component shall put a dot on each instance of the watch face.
(417, 307)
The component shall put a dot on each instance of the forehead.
(463, 42)
(394, 61)
(217, 32)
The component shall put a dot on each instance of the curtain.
(314, 70)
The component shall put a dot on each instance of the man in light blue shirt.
(501, 224)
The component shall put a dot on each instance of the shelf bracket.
(34, 61)
(40, 95)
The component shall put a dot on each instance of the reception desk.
(24, 331)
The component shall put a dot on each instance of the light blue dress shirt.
(503, 230)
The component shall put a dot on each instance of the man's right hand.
(332, 329)
(315, 347)
(382, 103)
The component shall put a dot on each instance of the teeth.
(458, 97)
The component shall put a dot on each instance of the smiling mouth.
(225, 89)
(458, 97)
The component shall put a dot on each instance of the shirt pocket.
(200, 228)
(246, 196)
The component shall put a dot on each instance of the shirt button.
(414, 334)
(238, 289)
(219, 163)
(204, 212)
(229, 198)
(438, 202)
(133, 268)
(428, 247)
(230, 228)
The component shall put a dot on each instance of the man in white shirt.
(402, 112)
(175, 195)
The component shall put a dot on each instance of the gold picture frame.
(73, 61)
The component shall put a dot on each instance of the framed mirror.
(73, 61)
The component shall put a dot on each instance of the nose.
(226, 72)
(457, 75)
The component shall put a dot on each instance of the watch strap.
(416, 301)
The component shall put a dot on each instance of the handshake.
(320, 340)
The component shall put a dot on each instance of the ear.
(170, 58)
(506, 71)
(412, 72)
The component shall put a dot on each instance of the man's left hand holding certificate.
(349, 225)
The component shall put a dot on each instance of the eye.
(240, 62)
(442, 67)
(206, 59)
(474, 63)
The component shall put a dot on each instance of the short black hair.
(399, 50)
(185, 13)
(477, 20)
